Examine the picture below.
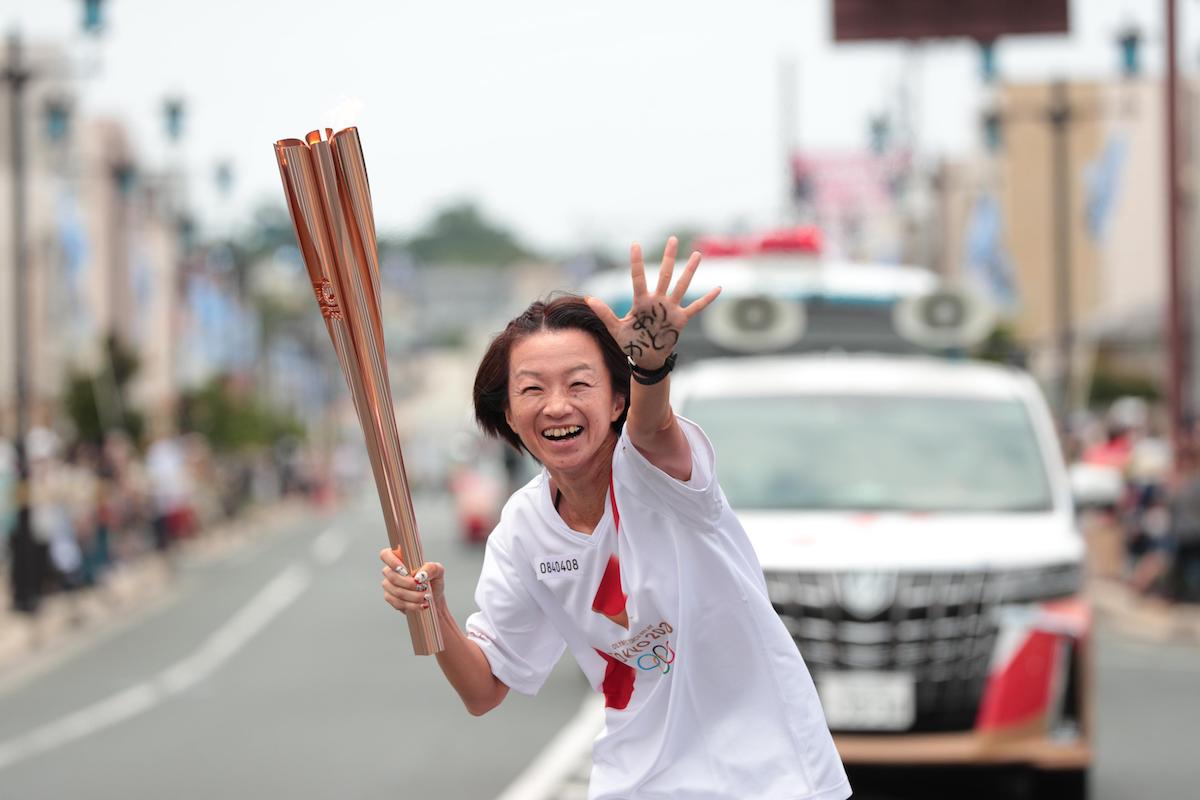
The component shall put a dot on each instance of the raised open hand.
(649, 331)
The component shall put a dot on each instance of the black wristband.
(649, 377)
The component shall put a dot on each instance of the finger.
(701, 304)
(685, 280)
(400, 579)
(404, 605)
(412, 596)
(637, 270)
(432, 570)
(391, 558)
(606, 314)
(667, 267)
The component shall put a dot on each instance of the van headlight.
(1035, 584)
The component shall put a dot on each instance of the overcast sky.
(575, 123)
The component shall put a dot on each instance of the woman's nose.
(557, 403)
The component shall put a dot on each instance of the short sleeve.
(510, 627)
(698, 498)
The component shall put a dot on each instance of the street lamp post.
(1059, 115)
(26, 567)
(25, 572)
(1178, 321)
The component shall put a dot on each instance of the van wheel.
(1062, 784)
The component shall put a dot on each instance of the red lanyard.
(612, 496)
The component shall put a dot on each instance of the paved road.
(1148, 719)
(276, 672)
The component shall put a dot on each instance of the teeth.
(558, 433)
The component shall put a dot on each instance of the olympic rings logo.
(660, 657)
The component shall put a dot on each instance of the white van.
(914, 522)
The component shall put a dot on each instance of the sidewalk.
(1115, 602)
(1144, 617)
(129, 589)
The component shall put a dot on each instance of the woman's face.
(560, 398)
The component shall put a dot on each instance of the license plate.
(868, 701)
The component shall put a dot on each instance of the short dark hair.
(561, 312)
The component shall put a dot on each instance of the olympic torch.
(325, 183)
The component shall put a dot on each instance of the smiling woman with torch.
(625, 551)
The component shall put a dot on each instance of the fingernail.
(424, 605)
(428, 598)
(401, 570)
(421, 577)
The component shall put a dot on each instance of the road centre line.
(217, 649)
(545, 775)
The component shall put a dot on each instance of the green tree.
(1001, 345)
(460, 234)
(231, 419)
(97, 401)
(1109, 384)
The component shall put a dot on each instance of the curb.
(1145, 618)
(128, 589)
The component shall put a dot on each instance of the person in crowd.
(52, 508)
(126, 488)
(1153, 548)
(1185, 526)
(624, 551)
(170, 490)
(8, 493)
(82, 478)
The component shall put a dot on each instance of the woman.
(625, 551)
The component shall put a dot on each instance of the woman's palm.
(649, 332)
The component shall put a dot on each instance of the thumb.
(602, 311)
(433, 571)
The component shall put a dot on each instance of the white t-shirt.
(667, 614)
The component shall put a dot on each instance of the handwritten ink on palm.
(655, 332)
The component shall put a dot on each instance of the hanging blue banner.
(987, 263)
(1102, 179)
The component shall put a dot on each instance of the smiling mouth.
(562, 434)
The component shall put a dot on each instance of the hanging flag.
(987, 264)
(73, 244)
(1103, 181)
(143, 293)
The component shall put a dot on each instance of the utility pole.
(25, 578)
(789, 88)
(1059, 115)
(1178, 322)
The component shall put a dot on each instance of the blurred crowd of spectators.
(1154, 506)
(94, 508)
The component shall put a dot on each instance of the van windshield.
(871, 453)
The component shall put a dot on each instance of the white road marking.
(240, 629)
(222, 645)
(329, 547)
(86, 721)
(542, 778)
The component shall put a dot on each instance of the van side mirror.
(1096, 487)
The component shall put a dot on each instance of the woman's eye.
(578, 384)
(530, 389)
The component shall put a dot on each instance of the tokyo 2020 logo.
(660, 657)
